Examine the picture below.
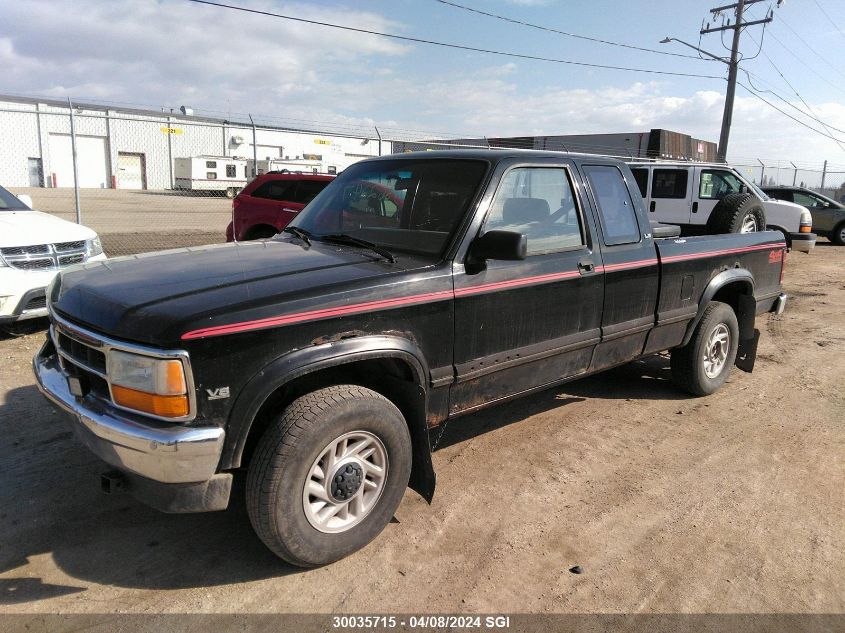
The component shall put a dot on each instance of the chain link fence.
(147, 180)
(826, 179)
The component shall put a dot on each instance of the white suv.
(34, 246)
(716, 198)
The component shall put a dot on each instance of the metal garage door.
(91, 158)
(130, 171)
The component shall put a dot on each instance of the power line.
(807, 65)
(829, 19)
(450, 45)
(786, 114)
(813, 50)
(826, 126)
(811, 113)
(567, 34)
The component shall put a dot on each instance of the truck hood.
(783, 214)
(154, 298)
(28, 228)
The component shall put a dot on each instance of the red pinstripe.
(357, 308)
(727, 251)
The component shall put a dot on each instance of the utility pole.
(733, 65)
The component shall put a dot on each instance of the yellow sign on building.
(171, 130)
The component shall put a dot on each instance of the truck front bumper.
(803, 242)
(167, 454)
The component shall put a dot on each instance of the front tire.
(837, 236)
(328, 475)
(704, 364)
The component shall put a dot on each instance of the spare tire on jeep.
(737, 213)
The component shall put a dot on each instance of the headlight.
(806, 223)
(95, 247)
(150, 385)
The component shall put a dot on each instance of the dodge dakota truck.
(324, 363)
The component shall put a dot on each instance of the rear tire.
(294, 500)
(737, 213)
(837, 235)
(704, 364)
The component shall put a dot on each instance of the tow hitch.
(113, 482)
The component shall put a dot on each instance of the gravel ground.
(732, 503)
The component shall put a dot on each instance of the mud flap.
(746, 352)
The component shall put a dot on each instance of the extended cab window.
(538, 202)
(669, 183)
(275, 190)
(717, 183)
(641, 176)
(616, 208)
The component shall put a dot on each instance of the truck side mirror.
(504, 245)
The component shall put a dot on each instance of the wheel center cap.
(346, 481)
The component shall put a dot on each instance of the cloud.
(171, 52)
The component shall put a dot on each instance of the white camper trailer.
(306, 166)
(211, 173)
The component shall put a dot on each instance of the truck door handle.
(651, 206)
(695, 207)
(586, 267)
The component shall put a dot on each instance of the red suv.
(266, 205)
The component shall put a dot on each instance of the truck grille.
(45, 256)
(82, 360)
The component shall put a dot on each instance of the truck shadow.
(649, 378)
(50, 503)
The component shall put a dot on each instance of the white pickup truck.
(716, 198)
(34, 246)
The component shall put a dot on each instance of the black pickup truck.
(326, 361)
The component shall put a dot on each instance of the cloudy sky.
(166, 53)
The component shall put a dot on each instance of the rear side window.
(641, 176)
(669, 183)
(537, 202)
(275, 190)
(616, 209)
(307, 190)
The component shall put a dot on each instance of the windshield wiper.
(302, 234)
(343, 238)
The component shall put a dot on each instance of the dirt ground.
(733, 503)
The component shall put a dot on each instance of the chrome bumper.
(167, 454)
(802, 242)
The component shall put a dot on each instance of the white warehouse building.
(125, 148)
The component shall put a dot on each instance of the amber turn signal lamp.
(162, 406)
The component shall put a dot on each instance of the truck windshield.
(10, 202)
(401, 204)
